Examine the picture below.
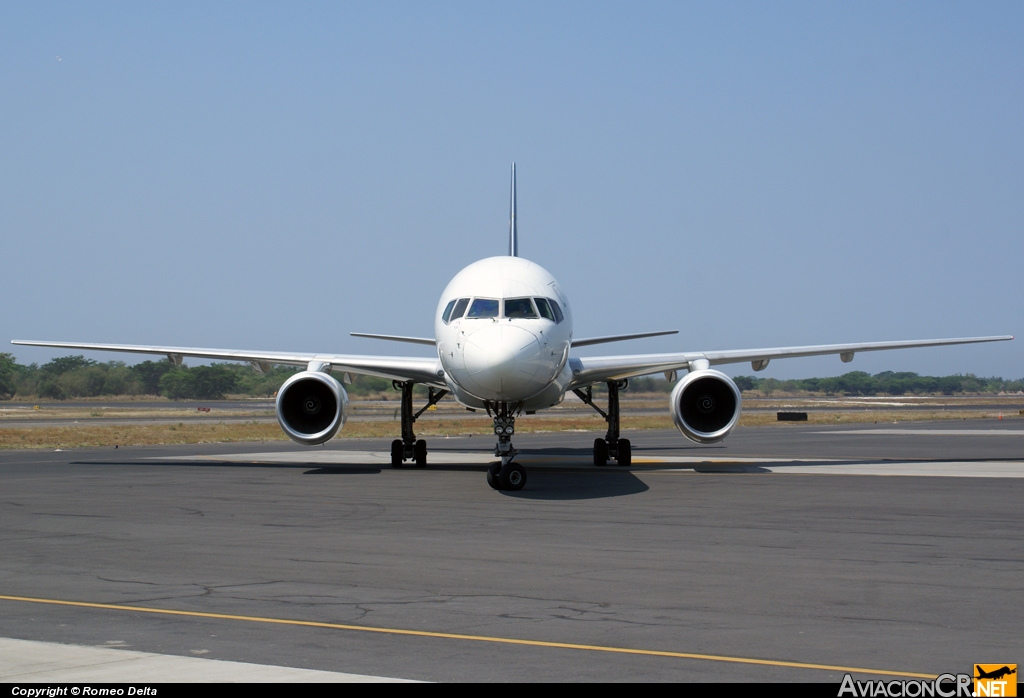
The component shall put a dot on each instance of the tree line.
(856, 383)
(71, 377)
(884, 383)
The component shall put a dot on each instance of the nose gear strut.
(505, 475)
(408, 448)
(611, 446)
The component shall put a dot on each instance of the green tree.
(83, 382)
(744, 383)
(149, 374)
(121, 380)
(9, 374)
(176, 384)
(199, 383)
(212, 382)
(63, 364)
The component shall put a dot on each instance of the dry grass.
(761, 419)
(87, 435)
(193, 432)
(63, 413)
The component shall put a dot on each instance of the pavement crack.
(124, 581)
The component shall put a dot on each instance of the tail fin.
(513, 232)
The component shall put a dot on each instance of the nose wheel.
(409, 447)
(505, 475)
(510, 476)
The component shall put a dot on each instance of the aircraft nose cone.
(500, 361)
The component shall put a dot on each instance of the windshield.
(447, 312)
(556, 309)
(483, 307)
(460, 308)
(545, 309)
(549, 309)
(519, 307)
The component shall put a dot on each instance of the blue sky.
(261, 176)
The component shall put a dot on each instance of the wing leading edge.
(585, 370)
(399, 368)
(605, 368)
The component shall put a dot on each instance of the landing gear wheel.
(397, 453)
(600, 452)
(493, 472)
(625, 453)
(512, 477)
(421, 454)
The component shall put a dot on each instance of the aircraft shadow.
(542, 483)
(567, 486)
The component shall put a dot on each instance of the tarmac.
(785, 553)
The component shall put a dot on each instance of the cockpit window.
(447, 311)
(558, 311)
(460, 308)
(519, 308)
(483, 307)
(545, 309)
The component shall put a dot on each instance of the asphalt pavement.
(786, 553)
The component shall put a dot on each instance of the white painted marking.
(685, 464)
(382, 459)
(325, 457)
(913, 469)
(906, 469)
(929, 432)
(27, 661)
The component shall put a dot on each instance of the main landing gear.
(505, 475)
(407, 447)
(611, 446)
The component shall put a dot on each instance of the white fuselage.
(503, 329)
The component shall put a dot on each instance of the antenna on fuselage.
(513, 232)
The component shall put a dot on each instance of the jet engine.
(705, 406)
(311, 407)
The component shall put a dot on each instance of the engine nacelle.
(311, 407)
(706, 406)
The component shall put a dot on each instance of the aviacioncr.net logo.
(945, 686)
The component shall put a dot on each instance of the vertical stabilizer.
(513, 232)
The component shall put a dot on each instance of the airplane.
(996, 674)
(503, 342)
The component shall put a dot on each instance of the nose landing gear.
(505, 475)
(510, 476)
(408, 447)
(611, 446)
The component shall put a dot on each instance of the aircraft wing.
(604, 368)
(401, 368)
(618, 338)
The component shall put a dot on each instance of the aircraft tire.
(625, 458)
(421, 454)
(512, 477)
(493, 472)
(600, 452)
(397, 453)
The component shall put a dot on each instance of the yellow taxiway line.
(472, 638)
